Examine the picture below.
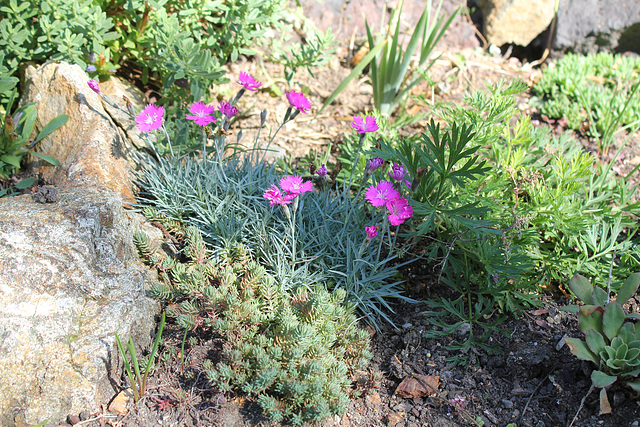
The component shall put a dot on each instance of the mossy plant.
(296, 353)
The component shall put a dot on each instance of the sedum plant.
(295, 353)
(611, 342)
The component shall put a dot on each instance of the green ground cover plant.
(506, 209)
(297, 353)
(596, 93)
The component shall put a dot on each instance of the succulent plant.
(611, 342)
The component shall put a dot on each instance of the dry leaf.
(418, 386)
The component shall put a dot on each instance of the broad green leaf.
(580, 350)
(612, 320)
(601, 380)
(593, 320)
(46, 157)
(582, 287)
(54, 124)
(600, 297)
(634, 385)
(25, 183)
(595, 341)
(628, 288)
(12, 160)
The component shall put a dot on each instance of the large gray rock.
(94, 147)
(515, 21)
(589, 26)
(69, 281)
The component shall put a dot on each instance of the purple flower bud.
(92, 57)
(93, 84)
(397, 172)
(322, 172)
(374, 164)
(91, 68)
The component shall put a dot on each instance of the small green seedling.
(139, 383)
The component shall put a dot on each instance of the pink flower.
(249, 82)
(364, 125)
(227, 109)
(202, 114)
(294, 185)
(297, 100)
(399, 210)
(380, 194)
(374, 164)
(150, 118)
(322, 172)
(397, 172)
(93, 84)
(274, 196)
(372, 231)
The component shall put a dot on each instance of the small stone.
(635, 424)
(561, 343)
(84, 416)
(402, 407)
(395, 418)
(120, 403)
(407, 325)
(507, 403)
(73, 419)
(374, 398)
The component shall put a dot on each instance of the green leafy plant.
(138, 380)
(389, 71)
(15, 141)
(598, 90)
(611, 342)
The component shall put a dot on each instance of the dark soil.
(533, 381)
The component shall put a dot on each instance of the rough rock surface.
(91, 147)
(589, 26)
(515, 21)
(70, 280)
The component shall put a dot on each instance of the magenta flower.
(322, 172)
(249, 82)
(379, 195)
(202, 114)
(297, 100)
(399, 210)
(372, 231)
(294, 185)
(374, 164)
(150, 118)
(93, 84)
(274, 196)
(397, 172)
(364, 125)
(227, 109)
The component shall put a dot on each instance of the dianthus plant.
(303, 229)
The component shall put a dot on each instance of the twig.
(581, 405)
(555, 365)
(95, 419)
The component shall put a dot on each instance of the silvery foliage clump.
(223, 197)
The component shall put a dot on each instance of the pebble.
(73, 419)
(635, 424)
(507, 403)
(407, 325)
(402, 407)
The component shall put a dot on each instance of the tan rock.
(120, 404)
(91, 149)
(515, 21)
